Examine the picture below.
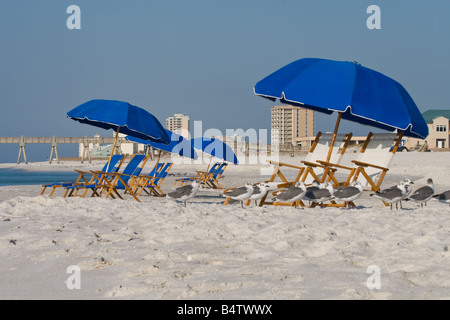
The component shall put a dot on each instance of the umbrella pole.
(114, 147)
(157, 161)
(338, 121)
(209, 164)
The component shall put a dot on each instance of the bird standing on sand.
(240, 194)
(324, 193)
(407, 184)
(423, 194)
(293, 193)
(184, 193)
(349, 193)
(259, 191)
(408, 188)
(309, 190)
(391, 195)
(443, 197)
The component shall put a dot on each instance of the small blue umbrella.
(357, 93)
(121, 117)
(216, 148)
(178, 145)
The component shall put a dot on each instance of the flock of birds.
(321, 192)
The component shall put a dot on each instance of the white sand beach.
(158, 249)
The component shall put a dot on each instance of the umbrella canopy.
(357, 93)
(178, 145)
(216, 148)
(120, 116)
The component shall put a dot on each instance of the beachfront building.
(290, 125)
(438, 121)
(97, 150)
(179, 123)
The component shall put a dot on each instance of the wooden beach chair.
(373, 161)
(151, 183)
(199, 176)
(373, 167)
(114, 181)
(211, 179)
(207, 179)
(154, 171)
(310, 170)
(314, 170)
(126, 180)
(86, 177)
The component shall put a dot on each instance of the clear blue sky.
(201, 57)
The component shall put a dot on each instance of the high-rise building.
(289, 124)
(179, 123)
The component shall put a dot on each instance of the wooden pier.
(54, 141)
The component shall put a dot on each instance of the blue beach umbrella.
(357, 93)
(216, 148)
(178, 145)
(121, 117)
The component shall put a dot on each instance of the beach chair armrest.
(98, 172)
(285, 185)
(280, 164)
(119, 174)
(330, 164)
(147, 176)
(311, 164)
(365, 164)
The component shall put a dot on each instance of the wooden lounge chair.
(155, 170)
(86, 177)
(372, 168)
(125, 180)
(199, 175)
(310, 170)
(209, 179)
(151, 184)
(373, 161)
(314, 170)
(114, 181)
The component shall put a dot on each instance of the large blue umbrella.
(357, 93)
(178, 145)
(121, 117)
(216, 148)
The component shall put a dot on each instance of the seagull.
(443, 197)
(408, 187)
(407, 184)
(324, 193)
(349, 193)
(293, 193)
(391, 195)
(423, 194)
(309, 190)
(184, 193)
(240, 194)
(259, 191)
